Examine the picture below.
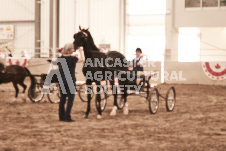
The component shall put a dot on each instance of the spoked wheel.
(170, 99)
(120, 100)
(38, 95)
(54, 95)
(83, 92)
(103, 101)
(153, 99)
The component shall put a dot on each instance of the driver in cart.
(137, 65)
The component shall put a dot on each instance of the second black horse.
(16, 74)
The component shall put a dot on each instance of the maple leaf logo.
(17, 62)
(217, 66)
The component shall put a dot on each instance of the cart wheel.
(83, 93)
(54, 95)
(38, 94)
(103, 101)
(153, 99)
(120, 102)
(170, 99)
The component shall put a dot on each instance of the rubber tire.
(152, 93)
(58, 95)
(168, 108)
(34, 100)
(82, 91)
(103, 101)
(121, 103)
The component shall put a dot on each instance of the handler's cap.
(138, 49)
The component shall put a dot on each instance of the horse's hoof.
(14, 100)
(23, 96)
(99, 117)
(125, 111)
(86, 116)
(113, 113)
(24, 99)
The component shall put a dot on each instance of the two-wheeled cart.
(146, 90)
(151, 93)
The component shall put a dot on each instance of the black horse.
(106, 68)
(16, 74)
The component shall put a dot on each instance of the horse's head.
(81, 38)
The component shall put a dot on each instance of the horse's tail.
(33, 81)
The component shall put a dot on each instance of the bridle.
(85, 34)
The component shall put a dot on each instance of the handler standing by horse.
(71, 64)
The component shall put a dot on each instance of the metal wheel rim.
(103, 104)
(121, 102)
(83, 93)
(54, 95)
(38, 92)
(171, 99)
(153, 99)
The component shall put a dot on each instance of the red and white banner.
(17, 61)
(215, 70)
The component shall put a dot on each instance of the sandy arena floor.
(198, 122)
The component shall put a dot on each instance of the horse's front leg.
(98, 100)
(125, 109)
(114, 91)
(89, 88)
